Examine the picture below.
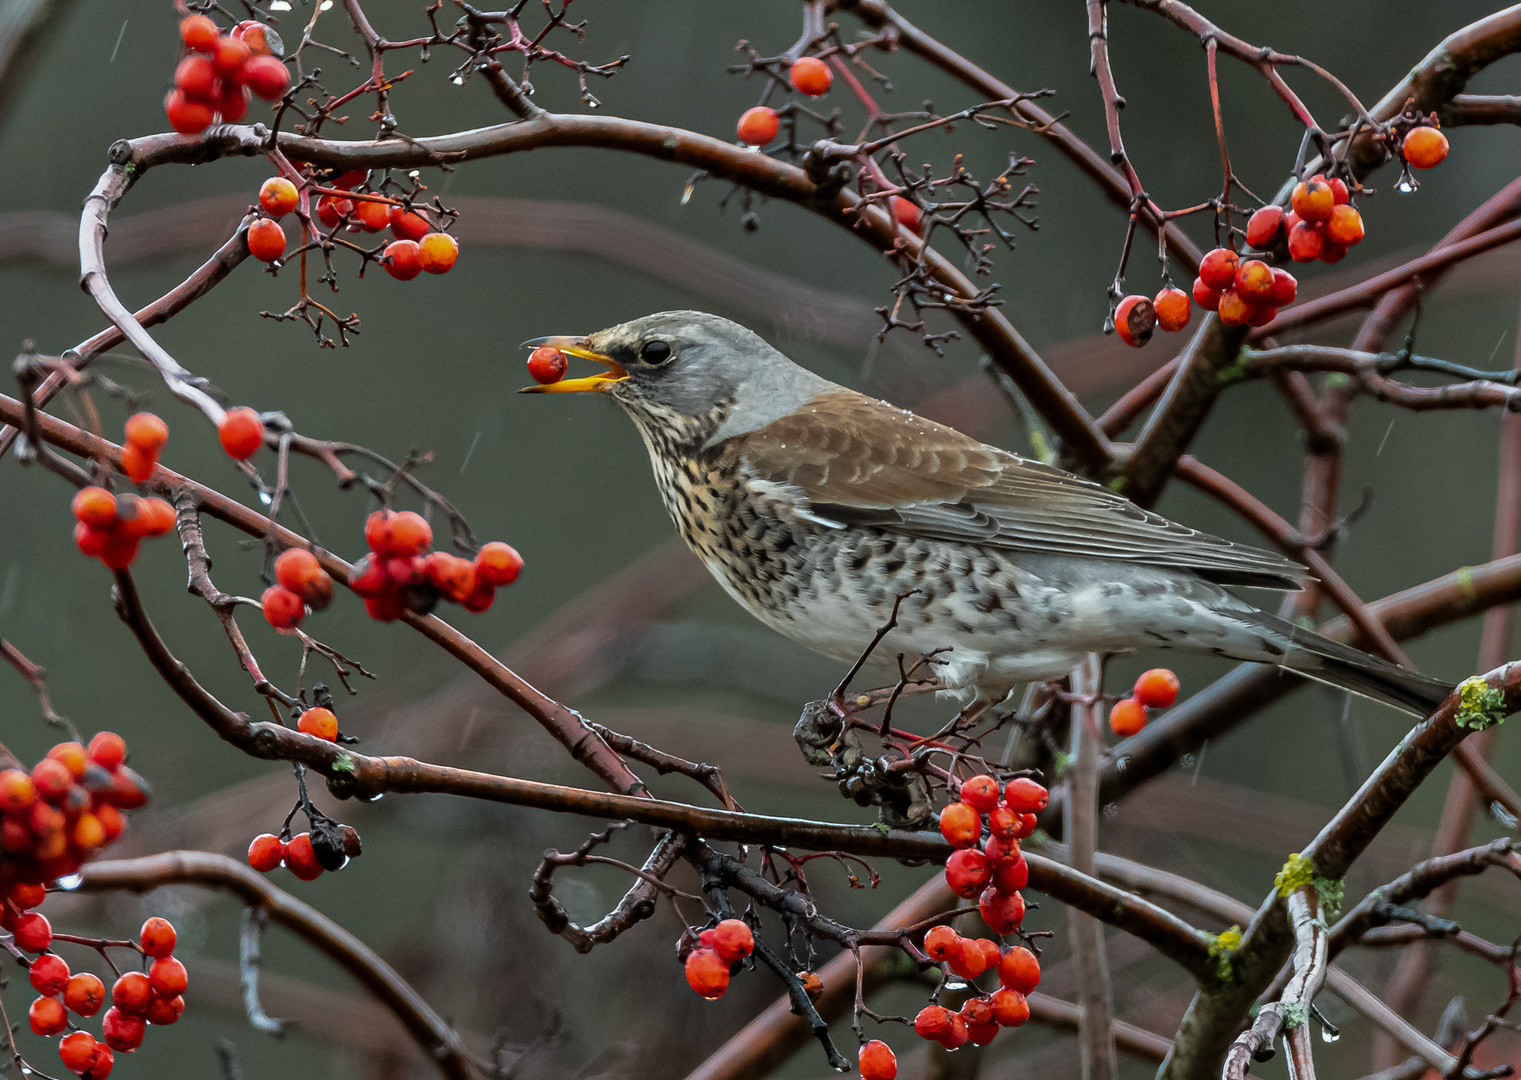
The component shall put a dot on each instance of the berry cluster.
(219, 70)
(301, 583)
(1155, 689)
(418, 246)
(109, 527)
(1321, 222)
(982, 1014)
(718, 949)
(993, 870)
(305, 855)
(400, 574)
(809, 76)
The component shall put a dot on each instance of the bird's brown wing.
(860, 461)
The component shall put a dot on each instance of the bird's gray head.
(688, 370)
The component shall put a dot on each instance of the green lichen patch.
(1480, 705)
(1297, 872)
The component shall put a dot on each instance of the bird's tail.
(1320, 658)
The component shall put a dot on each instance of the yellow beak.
(576, 346)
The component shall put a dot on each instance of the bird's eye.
(654, 352)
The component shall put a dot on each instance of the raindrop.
(1329, 1035)
(376, 797)
(279, 5)
(70, 882)
(1123, 763)
(458, 80)
(1405, 187)
(266, 498)
(326, 5)
(686, 195)
(955, 984)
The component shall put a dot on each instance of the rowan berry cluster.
(215, 77)
(306, 855)
(108, 527)
(1155, 689)
(300, 584)
(400, 574)
(982, 1015)
(53, 819)
(718, 949)
(993, 869)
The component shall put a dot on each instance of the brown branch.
(1481, 109)
(1367, 371)
(438, 1040)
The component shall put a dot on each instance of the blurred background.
(611, 615)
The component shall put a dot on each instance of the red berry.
(283, 609)
(137, 463)
(266, 240)
(167, 977)
(265, 853)
(47, 1016)
(1285, 287)
(146, 431)
(1003, 823)
(121, 1032)
(278, 196)
(1025, 796)
(164, 1011)
(298, 570)
(1010, 1009)
(1205, 297)
(131, 993)
(1332, 254)
(410, 534)
(401, 260)
(1313, 199)
(1263, 226)
(907, 214)
(77, 1051)
(967, 872)
(157, 937)
(980, 792)
(546, 365)
(437, 252)
(267, 77)
(49, 974)
(84, 994)
(384, 608)
(1339, 190)
(230, 56)
(1345, 227)
(1127, 717)
(732, 940)
(1172, 308)
(981, 1034)
(1262, 315)
(112, 824)
(1157, 688)
(707, 974)
(1234, 308)
(1424, 147)
(956, 1036)
(258, 37)
(1135, 319)
(1218, 268)
(1306, 242)
(95, 507)
(932, 1022)
(198, 33)
(1011, 875)
(232, 104)
(408, 225)
(24, 897)
(809, 75)
(300, 859)
(498, 564)
(877, 1061)
(241, 432)
(372, 216)
(968, 961)
(33, 932)
(941, 943)
(319, 722)
(186, 115)
(1002, 911)
(758, 126)
(961, 825)
(999, 850)
(196, 78)
(330, 210)
(1019, 970)
(1254, 281)
(128, 790)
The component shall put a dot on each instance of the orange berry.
(78, 1052)
(707, 974)
(241, 432)
(877, 1061)
(1254, 281)
(1218, 268)
(1135, 319)
(300, 859)
(437, 252)
(546, 365)
(131, 993)
(278, 196)
(401, 260)
(410, 534)
(147, 431)
(266, 240)
(977, 1010)
(198, 33)
(1306, 241)
(1003, 823)
(967, 872)
(498, 564)
(932, 1022)
(1010, 1009)
(1424, 147)
(407, 225)
(283, 609)
(121, 1032)
(330, 210)
(230, 55)
(267, 77)
(112, 824)
(941, 943)
(1025, 796)
(95, 507)
(84, 994)
(373, 216)
(26, 896)
(319, 722)
(47, 1016)
(733, 940)
(1019, 970)
(452, 576)
(1285, 288)
(1172, 308)
(92, 542)
(186, 115)
(480, 598)
(1127, 717)
(1157, 688)
(196, 78)
(960, 824)
(1263, 226)
(165, 1011)
(137, 463)
(957, 1036)
(72, 756)
(107, 749)
(17, 792)
(87, 833)
(968, 961)
(257, 37)
(32, 932)
(297, 569)
(1313, 199)
(980, 792)
(758, 126)
(907, 214)
(1206, 297)
(167, 977)
(265, 852)
(1003, 912)
(809, 75)
(1012, 874)
(157, 937)
(1234, 308)
(1345, 227)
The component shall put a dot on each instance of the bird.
(825, 512)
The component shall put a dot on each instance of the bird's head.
(688, 370)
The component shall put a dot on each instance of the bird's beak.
(576, 346)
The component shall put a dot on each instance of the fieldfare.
(817, 508)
